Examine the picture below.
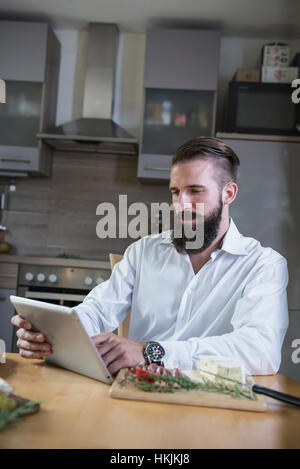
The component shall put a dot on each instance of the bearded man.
(225, 297)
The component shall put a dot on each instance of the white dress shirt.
(235, 306)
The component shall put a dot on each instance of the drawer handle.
(156, 168)
(2, 298)
(10, 160)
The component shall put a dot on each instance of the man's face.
(195, 183)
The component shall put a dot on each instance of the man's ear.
(229, 193)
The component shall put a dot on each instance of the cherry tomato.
(144, 375)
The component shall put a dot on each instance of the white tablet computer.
(72, 348)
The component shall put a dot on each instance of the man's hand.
(118, 352)
(31, 344)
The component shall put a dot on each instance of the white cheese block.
(225, 367)
(5, 387)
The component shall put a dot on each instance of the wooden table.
(79, 413)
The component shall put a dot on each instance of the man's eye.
(196, 192)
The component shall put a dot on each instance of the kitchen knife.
(262, 390)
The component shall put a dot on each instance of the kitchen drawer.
(8, 275)
(25, 160)
(154, 166)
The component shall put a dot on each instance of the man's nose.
(184, 201)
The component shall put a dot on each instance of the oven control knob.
(41, 277)
(99, 280)
(88, 280)
(52, 278)
(29, 276)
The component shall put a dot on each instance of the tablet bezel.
(64, 325)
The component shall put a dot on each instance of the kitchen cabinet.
(7, 311)
(23, 50)
(30, 59)
(8, 286)
(182, 59)
(180, 83)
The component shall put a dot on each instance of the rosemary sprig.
(171, 384)
(8, 416)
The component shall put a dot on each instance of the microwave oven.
(262, 108)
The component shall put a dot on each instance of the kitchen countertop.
(78, 412)
(54, 261)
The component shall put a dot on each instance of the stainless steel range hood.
(95, 131)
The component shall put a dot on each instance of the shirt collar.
(232, 241)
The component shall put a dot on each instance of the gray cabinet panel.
(7, 311)
(182, 59)
(23, 50)
(154, 166)
(267, 204)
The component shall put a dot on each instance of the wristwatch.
(154, 353)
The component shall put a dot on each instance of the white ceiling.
(260, 18)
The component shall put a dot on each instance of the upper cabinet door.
(182, 59)
(23, 50)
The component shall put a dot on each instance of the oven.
(60, 285)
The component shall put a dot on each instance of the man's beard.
(211, 229)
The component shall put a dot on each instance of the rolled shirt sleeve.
(107, 305)
(259, 321)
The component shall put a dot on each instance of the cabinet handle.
(9, 160)
(156, 168)
(2, 298)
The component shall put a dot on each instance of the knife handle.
(276, 395)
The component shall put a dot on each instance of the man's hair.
(225, 160)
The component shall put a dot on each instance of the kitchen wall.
(48, 217)
(58, 215)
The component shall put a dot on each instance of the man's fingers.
(20, 322)
(32, 336)
(24, 344)
(31, 354)
(100, 338)
(116, 366)
(113, 355)
(108, 345)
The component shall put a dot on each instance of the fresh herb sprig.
(8, 416)
(171, 384)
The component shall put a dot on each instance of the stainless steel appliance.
(262, 108)
(57, 284)
(95, 131)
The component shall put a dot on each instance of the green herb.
(8, 416)
(171, 384)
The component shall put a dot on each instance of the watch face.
(155, 351)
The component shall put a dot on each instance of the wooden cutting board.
(193, 397)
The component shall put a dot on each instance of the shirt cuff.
(176, 355)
